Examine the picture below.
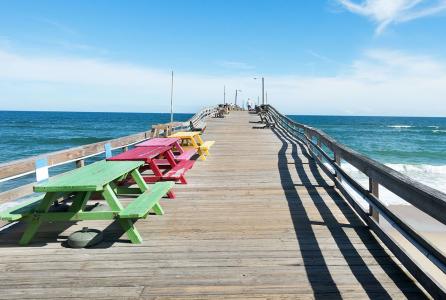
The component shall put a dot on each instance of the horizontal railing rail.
(23, 167)
(428, 200)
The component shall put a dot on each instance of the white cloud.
(386, 12)
(381, 82)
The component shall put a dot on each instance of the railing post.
(42, 168)
(374, 190)
(308, 137)
(80, 163)
(337, 158)
(319, 144)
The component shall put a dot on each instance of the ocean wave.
(439, 131)
(430, 175)
(399, 126)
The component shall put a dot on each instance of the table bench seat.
(147, 201)
(186, 155)
(206, 145)
(197, 126)
(177, 172)
(21, 210)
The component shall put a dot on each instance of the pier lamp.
(236, 93)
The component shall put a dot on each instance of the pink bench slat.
(186, 155)
(179, 170)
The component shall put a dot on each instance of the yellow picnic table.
(192, 139)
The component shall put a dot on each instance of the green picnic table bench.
(101, 177)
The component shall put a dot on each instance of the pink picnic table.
(154, 157)
(175, 143)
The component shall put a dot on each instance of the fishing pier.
(270, 213)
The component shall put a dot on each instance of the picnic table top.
(141, 153)
(185, 134)
(158, 142)
(92, 177)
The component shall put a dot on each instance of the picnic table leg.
(157, 209)
(196, 146)
(200, 141)
(35, 221)
(171, 159)
(80, 201)
(156, 170)
(126, 224)
(177, 146)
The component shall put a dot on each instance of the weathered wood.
(258, 219)
(395, 182)
(425, 198)
(374, 190)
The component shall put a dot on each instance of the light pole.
(263, 89)
(236, 92)
(171, 101)
(224, 94)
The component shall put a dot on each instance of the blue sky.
(375, 57)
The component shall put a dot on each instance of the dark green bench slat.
(141, 206)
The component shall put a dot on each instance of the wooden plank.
(140, 207)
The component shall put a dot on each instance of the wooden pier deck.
(256, 220)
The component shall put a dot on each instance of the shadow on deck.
(319, 276)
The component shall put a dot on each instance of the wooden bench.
(147, 201)
(177, 172)
(197, 126)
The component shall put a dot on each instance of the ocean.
(414, 146)
(25, 134)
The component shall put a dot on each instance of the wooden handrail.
(430, 201)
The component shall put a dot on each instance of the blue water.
(25, 134)
(414, 146)
(393, 140)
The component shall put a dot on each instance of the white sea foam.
(399, 126)
(430, 175)
(439, 131)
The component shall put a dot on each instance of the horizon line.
(188, 113)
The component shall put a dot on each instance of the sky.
(322, 57)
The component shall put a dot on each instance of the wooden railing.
(329, 154)
(20, 168)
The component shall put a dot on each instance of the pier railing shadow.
(322, 282)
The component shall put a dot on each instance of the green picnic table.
(101, 177)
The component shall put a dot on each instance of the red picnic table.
(154, 157)
(175, 143)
